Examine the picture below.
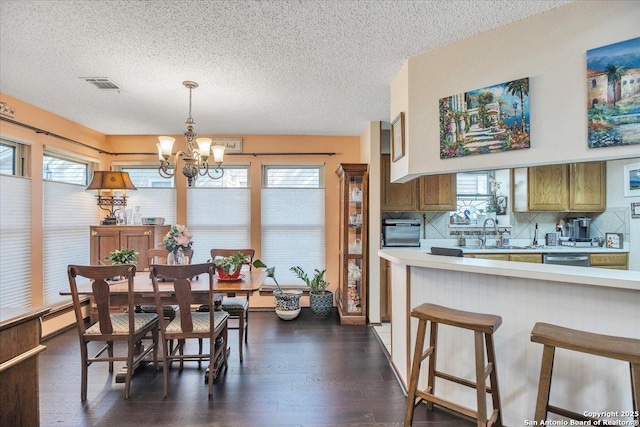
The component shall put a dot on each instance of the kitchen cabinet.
(534, 258)
(351, 295)
(437, 193)
(494, 257)
(396, 197)
(575, 187)
(107, 238)
(619, 261)
(426, 193)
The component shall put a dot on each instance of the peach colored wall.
(346, 149)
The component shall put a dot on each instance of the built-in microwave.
(401, 232)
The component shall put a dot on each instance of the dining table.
(249, 281)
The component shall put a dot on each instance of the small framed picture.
(632, 180)
(635, 210)
(397, 137)
(613, 240)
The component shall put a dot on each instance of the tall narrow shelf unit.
(351, 295)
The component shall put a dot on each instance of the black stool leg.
(415, 372)
(544, 388)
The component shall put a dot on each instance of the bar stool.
(552, 336)
(483, 325)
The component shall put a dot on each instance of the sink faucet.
(484, 231)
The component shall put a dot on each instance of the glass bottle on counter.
(137, 216)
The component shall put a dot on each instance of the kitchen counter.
(601, 277)
(591, 299)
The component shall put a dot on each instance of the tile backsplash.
(435, 225)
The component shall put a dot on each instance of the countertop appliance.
(575, 259)
(401, 233)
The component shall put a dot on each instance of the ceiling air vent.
(101, 83)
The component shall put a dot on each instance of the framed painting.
(487, 120)
(632, 180)
(613, 94)
(397, 137)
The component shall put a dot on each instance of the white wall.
(617, 202)
(550, 49)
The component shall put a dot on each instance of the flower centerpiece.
(122, 256)
(177, 240)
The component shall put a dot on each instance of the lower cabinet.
(613, 261)
(534, 258)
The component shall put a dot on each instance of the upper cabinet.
(437, 192)
(396, 197)
(576, 187)
(427, 193)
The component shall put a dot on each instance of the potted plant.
(122, 256)
(228, 268)
(320, 299)
(287, 302)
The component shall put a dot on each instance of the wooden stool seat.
(552, 336)
(486, 323)
(483, 325)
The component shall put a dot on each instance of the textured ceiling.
(264, 67)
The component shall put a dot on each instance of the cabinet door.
(495, 257)
(614, 261)
(437, 193)
(549, 188)
(587, 187)
(534, 258)
(396, 197)
(104, 240)
(140, 239)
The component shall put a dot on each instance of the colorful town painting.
(487, 120)
(613, 94)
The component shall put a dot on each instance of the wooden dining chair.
(237, 307)
(159, 256)
(130, 327)
(188, 324)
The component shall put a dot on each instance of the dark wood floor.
(305, 372)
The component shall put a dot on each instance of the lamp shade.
(110, 180)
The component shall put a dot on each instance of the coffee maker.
(578, 230)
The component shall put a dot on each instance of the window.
(69, 211)
(155, 195)
(219, 212)
(7, 159)
(594, 83)
(59, 169)
(147, 177)
(293, 219)
(14, 158)
(474, 195)
(15, 251)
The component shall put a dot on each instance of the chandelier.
(195, 160)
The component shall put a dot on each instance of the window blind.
(15, 246)
(154, 202)
(293, 230)
(218, 218)
(69, 210)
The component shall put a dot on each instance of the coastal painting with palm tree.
(487, 120)
(613, 94)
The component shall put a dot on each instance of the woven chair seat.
(200, 322)
(120, 323)
(234, 304)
